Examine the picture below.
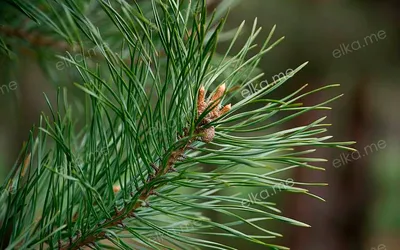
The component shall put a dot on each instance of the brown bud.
(208, 134)
(225, 109)
(216, 100)
(201, 104)
(116, 188)
(201, 96)
(218, 93)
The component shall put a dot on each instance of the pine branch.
(201, 133)
(148, 129)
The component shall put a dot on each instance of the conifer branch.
(153, 127)
(201, 133)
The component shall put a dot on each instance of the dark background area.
(362, 200)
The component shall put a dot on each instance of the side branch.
(36, 38)
(207, 135)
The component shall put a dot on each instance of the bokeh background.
(363, 197)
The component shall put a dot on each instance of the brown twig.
(36, 38)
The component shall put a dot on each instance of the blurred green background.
(362, 200)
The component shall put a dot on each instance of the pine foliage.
(164, 134)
